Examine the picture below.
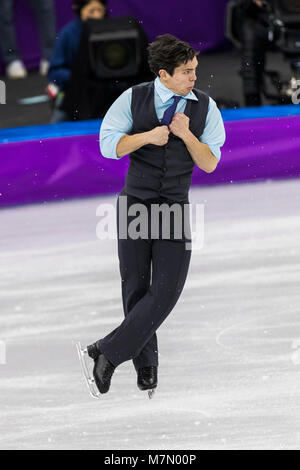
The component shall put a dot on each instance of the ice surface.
(229, 374)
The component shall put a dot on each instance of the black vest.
(164, 171)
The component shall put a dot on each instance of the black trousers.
(147, 301)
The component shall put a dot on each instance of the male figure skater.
(167, 127)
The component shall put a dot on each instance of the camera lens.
(115, 55)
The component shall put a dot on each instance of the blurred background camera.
(112, 57)
(115, 47)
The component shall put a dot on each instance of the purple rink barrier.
(201, 24)
(59, 168)
(56, 169)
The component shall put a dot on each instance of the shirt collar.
(165, 94)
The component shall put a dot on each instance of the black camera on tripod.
(112, 57)
(281, 18)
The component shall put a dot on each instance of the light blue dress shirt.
(118, 120)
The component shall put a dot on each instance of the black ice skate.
(102, 373)
(147, 379)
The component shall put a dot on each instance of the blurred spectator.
(254, 36)
(69, 38)
(66, 49)
(44, 12)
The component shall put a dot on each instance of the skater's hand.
(180, 125)
(259, 3)
(159, 135)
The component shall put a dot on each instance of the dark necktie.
(169, 112)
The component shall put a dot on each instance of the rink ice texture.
(229, 374)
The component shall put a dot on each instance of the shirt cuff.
(108, 145)
(215, 150)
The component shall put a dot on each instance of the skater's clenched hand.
(159, 135)
(180, 125)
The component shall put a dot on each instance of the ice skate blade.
(90, 382)
(151, 393)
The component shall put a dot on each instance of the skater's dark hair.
(168, 52)
(78, 5)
